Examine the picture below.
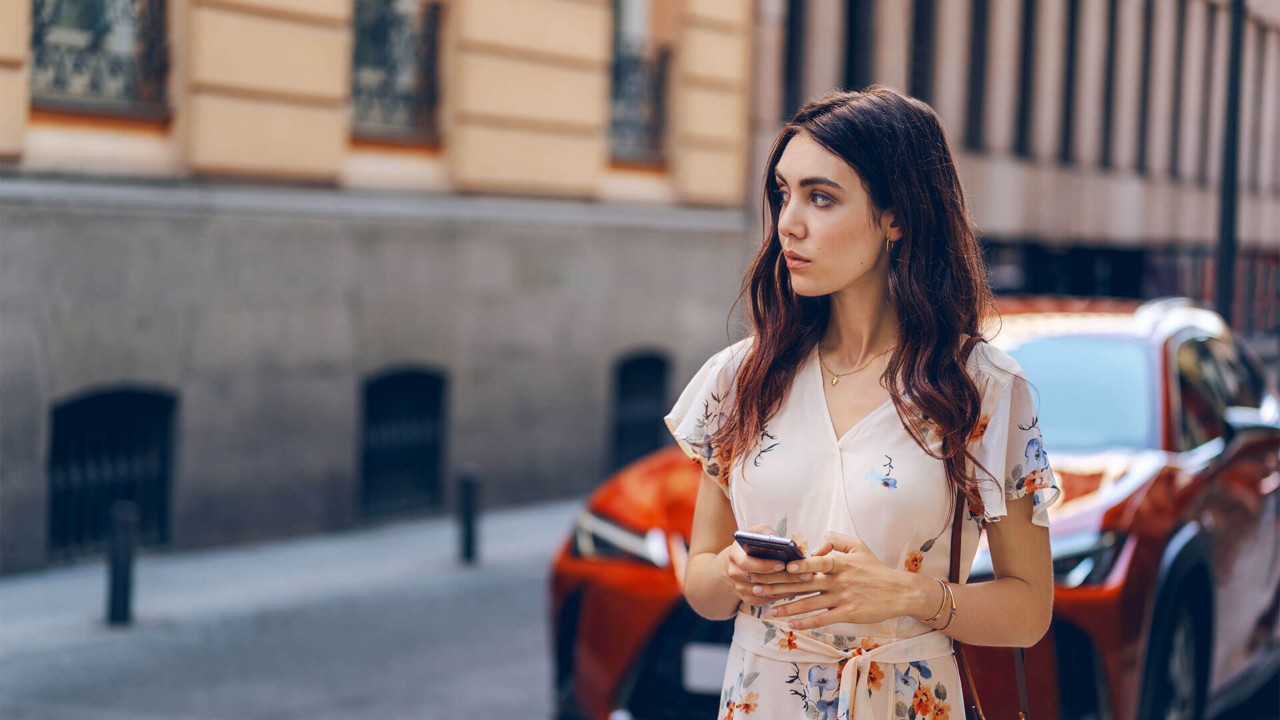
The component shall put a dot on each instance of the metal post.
(468, 507)
(124, 525)
(1224, 291)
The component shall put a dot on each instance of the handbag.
(973, 710)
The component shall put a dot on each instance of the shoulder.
(992, 366)
(731, 356)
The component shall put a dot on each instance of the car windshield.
(1093, 392)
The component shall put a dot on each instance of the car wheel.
(1175, 690)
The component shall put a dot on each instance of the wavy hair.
(937, 279)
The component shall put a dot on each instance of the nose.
(789, 222)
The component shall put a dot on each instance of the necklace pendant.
(834, 380)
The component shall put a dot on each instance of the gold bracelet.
(951, 595)
(942, 605)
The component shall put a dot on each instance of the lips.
(795, 256)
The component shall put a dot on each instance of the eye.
(820, 196)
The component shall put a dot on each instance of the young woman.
(848, 419)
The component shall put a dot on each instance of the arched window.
(403, 440)
(108, 446)
(640, 401)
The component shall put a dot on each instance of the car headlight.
(597, 537)
(1080, 559)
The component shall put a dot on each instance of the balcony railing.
(394, 73)
(638, 108)
(109, 55)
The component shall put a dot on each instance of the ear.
(892, 228)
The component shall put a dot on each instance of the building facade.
(274, 267)
(1089, 133)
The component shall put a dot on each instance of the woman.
(848, 419)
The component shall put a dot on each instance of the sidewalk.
(51, 608)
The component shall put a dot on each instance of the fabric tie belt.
(754, 635)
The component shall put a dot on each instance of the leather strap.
(974, 711)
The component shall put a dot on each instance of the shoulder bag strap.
(974, 711)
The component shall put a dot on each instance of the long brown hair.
(937, 279)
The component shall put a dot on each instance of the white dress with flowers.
(874, 483)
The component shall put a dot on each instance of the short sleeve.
(702, 409)
(1010, 447)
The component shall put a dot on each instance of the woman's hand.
(752, 577)
(853, 586)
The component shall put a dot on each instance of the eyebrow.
(811, 181)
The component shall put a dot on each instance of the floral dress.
(874, 483)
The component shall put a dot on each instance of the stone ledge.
(185, 197)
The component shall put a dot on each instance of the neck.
(862, 324)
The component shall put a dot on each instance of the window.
(638, 107)
(976, 110)
(858, 32)
(1175, 125)
(105, 55)
(108, 446)
(793, 60)
(1066, 141)
(1109, 84)
(403, 441)
(1144, 90)
(923, 22)
(1206, 96)
(1026, 80)
(394, 69)
(1202, 393)
(640, 401)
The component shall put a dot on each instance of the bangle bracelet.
(944, 602)
(952, 596)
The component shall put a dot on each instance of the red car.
(1164, 435)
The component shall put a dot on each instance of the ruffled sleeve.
(1007, 442)
(702, 408)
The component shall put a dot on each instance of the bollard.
(124, 525)
(468, 507)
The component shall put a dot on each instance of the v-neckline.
(826, 407)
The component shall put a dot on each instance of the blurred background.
(280, 273)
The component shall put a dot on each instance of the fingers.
(810, 565)
(762, 528)
(813, 621)
(788, 589)
(825, 601)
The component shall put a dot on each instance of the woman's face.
(826, 217)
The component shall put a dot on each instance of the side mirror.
(1245, 420)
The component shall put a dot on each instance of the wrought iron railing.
(109, 446)
(402, 445)
(638, 109)
(100, 54)
(395, 85)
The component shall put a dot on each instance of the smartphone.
(769, 547)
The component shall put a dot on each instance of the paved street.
(376, 623)
(379, 623)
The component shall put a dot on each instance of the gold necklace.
(835, 377)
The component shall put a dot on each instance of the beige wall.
(709, 98)
(15, 34)
(269, 82)
(260, 89)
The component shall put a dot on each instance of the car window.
(1243, 382)
(1203, 392)
(1093, 391)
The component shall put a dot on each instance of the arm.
(1015, 609)
(707, 586)
(715, 580)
